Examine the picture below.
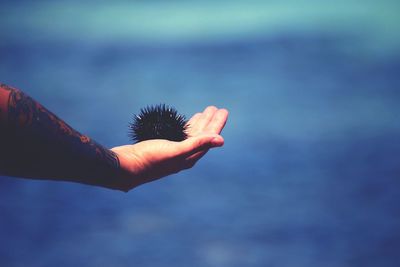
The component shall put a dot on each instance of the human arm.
(35, 143)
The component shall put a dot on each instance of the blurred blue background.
(309, 174)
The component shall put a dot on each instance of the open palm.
(152, 159)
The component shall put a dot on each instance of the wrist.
(126, 175)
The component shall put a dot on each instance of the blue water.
(309, 174)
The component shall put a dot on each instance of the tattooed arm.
(35, 143)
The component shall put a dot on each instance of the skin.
(37, 144)
(153, 159)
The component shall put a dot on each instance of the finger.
(192, 122)
(196, 156)
(199, 143)
(218, 122)
(204, 119)
(194, 118)
(192, 160)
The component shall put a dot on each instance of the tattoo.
(3, 87)
(50, 147)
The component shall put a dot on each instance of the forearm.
(35, 143)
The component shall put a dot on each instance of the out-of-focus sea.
(309, 174)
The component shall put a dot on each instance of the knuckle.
(198, 143)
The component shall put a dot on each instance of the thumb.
(198, 143)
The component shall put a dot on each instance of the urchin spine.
(158, 122)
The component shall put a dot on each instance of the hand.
(152, 159)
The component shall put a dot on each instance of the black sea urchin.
(158, 122)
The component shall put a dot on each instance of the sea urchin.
(158, 122)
